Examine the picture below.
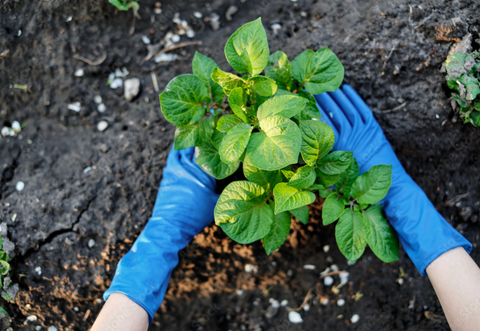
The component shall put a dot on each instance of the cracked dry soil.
(392, 53)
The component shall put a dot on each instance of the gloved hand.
(184, 207)
(423, 232)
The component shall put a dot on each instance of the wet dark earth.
(88, 193)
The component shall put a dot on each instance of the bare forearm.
(121, 314)
(456, 280)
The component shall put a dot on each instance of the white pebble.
(20, 186)
(274, 303)
(91, 243)
(52, 328)
(38, 270)
(190, 33)
(306, 307)
(239, 292)
(309, 267)
(341, 302)
(437, 116)
(97, 99)
(38, 328)
(119, 73)
(19, 33)
(166, 57)
(344, 277)
(16, 126)
(146, 40)
(251, 268)
(6, 131)
(355, 318)
(79, 72)
(31, 318)
(326, 248)
(334, 267)
(175, 38)
(69, 19)
(102, 126)
(157, 10)
(295, 317)
(350, 263)
(324, 301)
(132, 88)
(400, 281)
(75, 106)
(328, 281)
(76, 308)
(284, 303)
(101, 108)
(98, 301)
(197, 14)
(87, 170)
(116, 83)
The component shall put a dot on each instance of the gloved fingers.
(326, 119)
(361, 106)
(336, 115)
(350, 111)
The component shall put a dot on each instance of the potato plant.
(463, 74)
(269, 125)
(125, 5)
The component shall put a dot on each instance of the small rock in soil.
(190, 33)
(230, 12)
(91, 243)
(309, 267)
(146, 40)
(75, 106)
(8, 246)
(101, 108)
(16, 126)
(274, 303)
(295, 317)
(31, 318)
(20, 186)
(87, 170)
(251, 268)
(197, 14)
(326, 248)
(284, 303)
(76, 308)
(97, 99)
(79, 72)
(341, 302)
(275, 27)
(116, 83)
(175, 38)
(132, 88)
(3, 229)
(38, 328)
(166, 57)
(271, 312)
(52, 328)
(306, 307)
(38, 270)
(355, 318)
(239, 292)
(214, 20)
(466, 212)
(324, 301)
(334, 267)
(328, 281)
(102, 126)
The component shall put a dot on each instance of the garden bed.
(88, 193)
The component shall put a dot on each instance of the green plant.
(125, 5)
(265, 122)
(463, 74)
(4, 269)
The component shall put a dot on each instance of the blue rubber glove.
(184, 207)
(423, 232)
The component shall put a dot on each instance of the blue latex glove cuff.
(423, 232)
(184, 207)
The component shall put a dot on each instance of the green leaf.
(318, 71)
(455, 64)
(237, 101)
(472, 86)
(235, 142)
(243, 213)
(259, 176)
(202, 68)
(373, 185)
(4, 267)
(381, 237)
(333, 207)
(194, 134)
(227, 122)
(263, 86)
(277, 146)
(287, 173)
(208, 158)
(317, 140)
(182, 99)
(288, 198)
(3, 311)
(302, 214)
(311, 110)
(124, 5)
(326, 180)
(286, 106)
(279, 69)
(335, 163)
(303, 178)
(346, 180)
(247, 48)
(323, 191)
(350, 234)
(278, 233)
(227, 80)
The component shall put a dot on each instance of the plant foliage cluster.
(125, 5)
(268, 125)
(463, 74)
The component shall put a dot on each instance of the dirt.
(392, 52)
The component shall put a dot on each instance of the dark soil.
(392, 52)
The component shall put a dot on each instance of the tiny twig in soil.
(92, 63)
(333, 273)
(154, 81)
(453, 200)
(305, 300)
(394, 109)
(86, 315)
(171, 48)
